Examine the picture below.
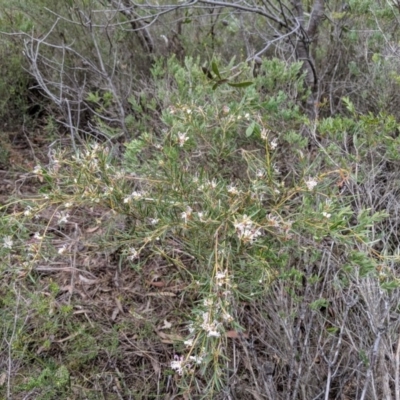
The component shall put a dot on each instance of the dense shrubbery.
(229, 194)
(270, 237)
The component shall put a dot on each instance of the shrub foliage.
(195, 229)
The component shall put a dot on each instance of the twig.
(372, 362)
(397, 371)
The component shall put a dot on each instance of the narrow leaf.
(215, 69)
(241, 84)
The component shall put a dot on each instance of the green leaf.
(349, 104)
(250, 129)
(390, 285)
(93, 97)
(332, 329)
(240, 84)
(318, 304)
(215, 69)
(336, 224)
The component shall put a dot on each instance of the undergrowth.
(239, 248)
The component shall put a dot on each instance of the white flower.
(260, 173)
(135, 195)
(232, 189)
(191, 328)
(273, 221)
(182, 138)
(188, 342)
(311, 183)
(37, 170)
(28, 211)
(273, 144)
(246, 230)
(37, 236)
(264, 134)
(63, 217)
(62, 249)
(154, 221)
(227, 317)
(132, 254)
(212, 184)
(213, 333)
(222, 278)
(220, 275)
(196, 359)
(177, 364)
(186, 214)
(326, 215)
(95, 147)
(210, 327)
(108, 190)
(208, 302)
(7, 242)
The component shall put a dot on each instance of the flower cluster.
(311, 183)
(178, 364)
(181, 365)
(132, 254)
(247, 230)
(182, 139)
(273, 220)
(210, 325)
(208, 322)
(232, 189)
(135, 195)
(186, 215)
(273, 144)
(284, 227)
(62, 217)
(90, 157)
(7, 242)
(265, 133)
(260, 173)
(209, 184)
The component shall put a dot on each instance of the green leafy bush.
(227, 195)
